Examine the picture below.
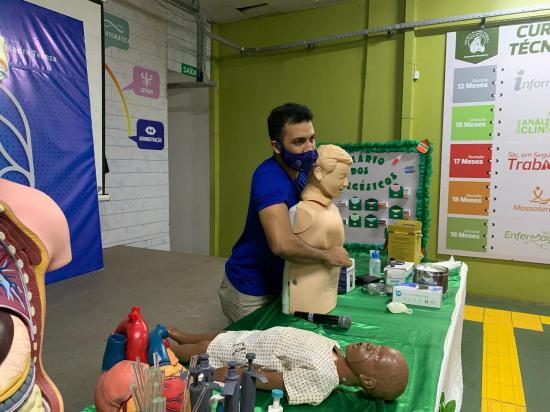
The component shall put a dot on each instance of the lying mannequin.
(317, 221)
(308, 366)
(34, 238)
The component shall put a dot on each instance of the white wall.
(138, 212)
(189, 166)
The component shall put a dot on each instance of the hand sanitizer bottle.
(277, 394)
(375, 264)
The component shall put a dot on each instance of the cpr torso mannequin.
(34, 238)
(317, 221)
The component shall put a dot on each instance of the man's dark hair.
(291, 113)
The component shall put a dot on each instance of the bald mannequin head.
(382, 371)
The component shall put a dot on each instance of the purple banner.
(45, 124)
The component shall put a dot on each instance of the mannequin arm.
(285, 244)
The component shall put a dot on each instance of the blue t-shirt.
(252, 268)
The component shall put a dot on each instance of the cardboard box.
(398, 274)
(404, 240)
(418, 295)
(346, 283)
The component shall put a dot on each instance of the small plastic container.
(375, 264)
(277, 394)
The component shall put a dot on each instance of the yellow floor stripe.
(490, 405)
(526, 321)
(501, 375)
(501, 383)
(473, 313)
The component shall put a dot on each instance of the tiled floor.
(506, 356)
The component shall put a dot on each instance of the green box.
(371, 221)
(396, 212)
(371, 204)
(354, 203)
(354, 220)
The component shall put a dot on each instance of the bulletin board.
(388, 182)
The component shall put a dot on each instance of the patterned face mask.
(299, 161)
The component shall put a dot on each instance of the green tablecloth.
(419, 336)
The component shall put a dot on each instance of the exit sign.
(189, 70)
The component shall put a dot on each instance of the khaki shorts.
(236, 305)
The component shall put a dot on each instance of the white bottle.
(277, 394)
(375, 264)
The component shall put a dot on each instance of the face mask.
(398, 307)
(299, 161)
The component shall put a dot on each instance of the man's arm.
(285, 244)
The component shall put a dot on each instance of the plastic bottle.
(277, 394)
(375, 264)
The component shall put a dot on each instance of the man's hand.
(337, 256)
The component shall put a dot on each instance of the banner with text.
(495, 166)
(45, 123)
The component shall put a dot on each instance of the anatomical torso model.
(34, 238)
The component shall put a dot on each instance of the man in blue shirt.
(255, 268)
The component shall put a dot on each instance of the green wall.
(359, 90)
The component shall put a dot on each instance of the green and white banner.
(495, 166)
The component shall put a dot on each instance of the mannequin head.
(382, 371)
(330, 174)
(292, 136)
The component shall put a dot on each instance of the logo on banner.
(521, 83)
(150, 135)
(540, 240)
(476, 46)
(533, 125)
(541, 202)
(538, 196)
(532, 39)
(145, 83)
(117, 32)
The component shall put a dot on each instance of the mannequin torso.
(313, 287)
(317, 221)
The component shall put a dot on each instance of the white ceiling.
(224, 11)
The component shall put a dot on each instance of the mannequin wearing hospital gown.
(317, 221)
(34, 238)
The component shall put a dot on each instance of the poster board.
(388, 182)
(495, 166)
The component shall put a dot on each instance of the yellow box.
(404, 240)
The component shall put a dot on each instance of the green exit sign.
(189, 70)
